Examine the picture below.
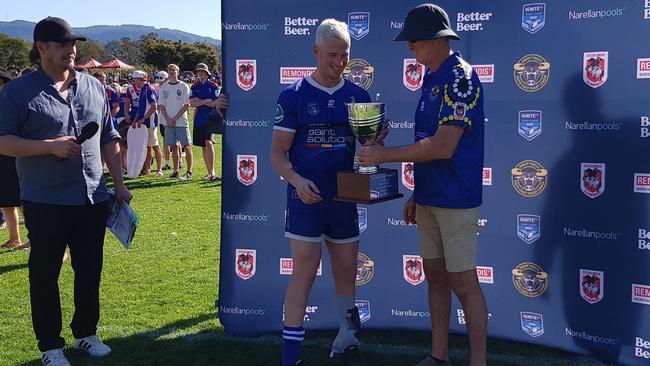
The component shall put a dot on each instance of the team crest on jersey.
(358, 24)
(365, 269)
(313, 108)
(530, 124)
(413, 270)
(245, 264)
(529, 227)
(364, 310)
(594, 68)
(246, 74)
(247, 169)
(532, 72)
(532, 323)
(408, 175)
(592, 285)
(529, 279)
(362, 214)
(533, 17)
(529, 178)
(592, 179)
(412, 74)
(279, 114)
(360, 72)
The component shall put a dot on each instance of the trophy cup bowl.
(366, 121)
(367, 184)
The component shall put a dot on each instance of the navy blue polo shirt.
(451, 96)
(207, 90)
(32, 108)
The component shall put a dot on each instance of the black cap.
(426, 21)
(53, 29)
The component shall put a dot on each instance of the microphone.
(88, 131)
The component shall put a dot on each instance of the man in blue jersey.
(448, 156)
(145, 104)
(312, 141)
(203, 97)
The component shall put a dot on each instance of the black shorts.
(9, 189)
(199, 135)
(162, 131)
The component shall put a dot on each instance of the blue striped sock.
(292, 338)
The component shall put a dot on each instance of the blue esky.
(202, 18)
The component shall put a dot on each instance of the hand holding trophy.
(367, 184)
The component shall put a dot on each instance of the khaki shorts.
(153, 137)
(448, 233)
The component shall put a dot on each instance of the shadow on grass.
(210, 184)
(162, 182)
(11, 267)
(168, 345)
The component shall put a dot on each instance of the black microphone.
(88, 131)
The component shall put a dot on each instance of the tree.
(194, 53)
(88, 49)
(161, 52)
(126, 50)
(14, 51)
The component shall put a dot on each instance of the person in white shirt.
(174, 103)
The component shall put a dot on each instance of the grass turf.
(158, 297)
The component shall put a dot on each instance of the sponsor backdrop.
(564, 230)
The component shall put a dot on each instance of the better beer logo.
(532, 72)
(529, 178)
(529, 279)
(359, 72)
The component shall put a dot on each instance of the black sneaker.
(173, 175)
(166, 167)
(350, 357)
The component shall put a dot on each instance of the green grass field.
(158, 297)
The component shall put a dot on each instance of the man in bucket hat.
(203, 97)
(448, 155)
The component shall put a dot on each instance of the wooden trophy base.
(367, 188)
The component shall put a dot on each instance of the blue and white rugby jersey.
(451, 96)
(323, 144)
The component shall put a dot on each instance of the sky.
(159, 13)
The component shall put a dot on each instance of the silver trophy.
(366, 121)
(367, 184)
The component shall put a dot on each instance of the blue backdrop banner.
(564, 230)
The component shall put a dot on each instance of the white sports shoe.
(92, 345)
(54, 357)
